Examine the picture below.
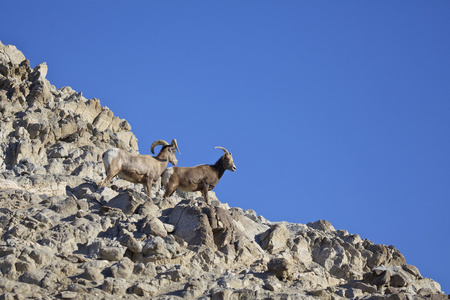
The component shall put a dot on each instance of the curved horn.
(157, 143)
(174, 144)
(224, 150)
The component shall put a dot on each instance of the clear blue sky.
(336, 110)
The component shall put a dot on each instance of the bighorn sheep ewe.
(199, 178)
(136, 168)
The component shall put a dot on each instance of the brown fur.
(199, 178)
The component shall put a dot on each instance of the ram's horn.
(224, 150)
(157, 143)
(174, 143)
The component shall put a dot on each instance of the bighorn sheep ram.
(136, 168)
(199, 178)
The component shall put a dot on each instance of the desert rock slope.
(62, 238)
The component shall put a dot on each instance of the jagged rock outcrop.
(61, 237)
(57, 130)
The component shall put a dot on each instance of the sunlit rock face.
(61, 237)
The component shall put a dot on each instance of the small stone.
(123, 269)
(390, 291)
(145, 290)
(112, 253)
(276, 240)
(397, 280)
(131, 243)
(68, 295)
(115, 286)
(154, 227)
(353, 293)
(412, 270)
(366, 288)
(322, 225)
(93, 274)
(169, 228)
(272, 285)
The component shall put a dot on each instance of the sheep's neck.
(218, 166)
(162, 158)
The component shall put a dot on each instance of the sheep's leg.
(148, 187)
(169, 191)
(205, 195)
(170, 186)
(109, 176)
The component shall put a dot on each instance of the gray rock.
(24, 266)
(366, 288)
(194, 288)
(131, 243)
(69, 295)
(33, 277)
(149, 210)
(276, 240)
(177, 273)
(8, 266)
(112, 253)
(353, 293)
(115, 286)
(398, 280)
(272, 285)
(127, 201)
(144, 289)
(281, 267)
(154, 227)
(412, 270)
(322, 225)
(378, 277)
(155, 248)
(67, 206)
(93, 274)
(123, 269)
(41, 256)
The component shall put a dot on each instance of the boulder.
(122, 269)
(131, 243)
(153, 226)
(145, 289)
(198, 223)
(93, 274)
(281, 267)
(276, 239)
(112, 253)
(322, 225)
(127, 201)
(115, 286)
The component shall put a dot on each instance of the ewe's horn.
(224, 150)
(174, 143)
(157, 143)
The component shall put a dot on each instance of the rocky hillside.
(62, 238)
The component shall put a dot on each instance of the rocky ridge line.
(63, 238)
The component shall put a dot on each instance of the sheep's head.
(167, 150)
(227, 160)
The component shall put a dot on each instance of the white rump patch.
(166, 175)
(109, 156)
